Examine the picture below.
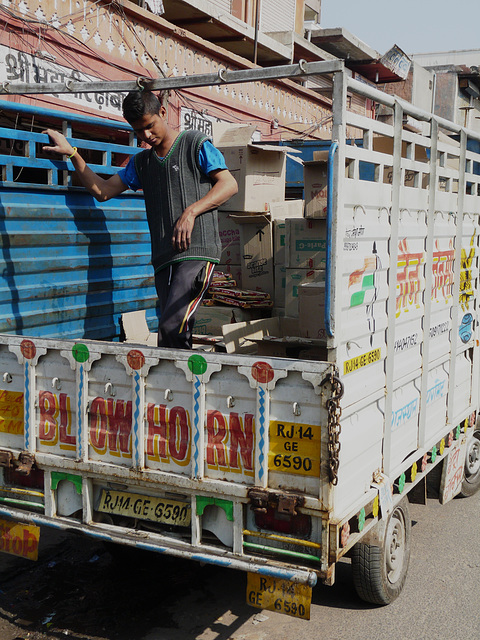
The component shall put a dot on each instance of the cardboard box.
(311, 310)
(272, 337)
(294, 279)
(279, 237)
(135, 328)
(315, 178)
(305, 243)
(257, 253)
(258, 169)
(287, 209)
(210, 320)
(229, 232)
(239, 338)
(384, 144)
(280, 272)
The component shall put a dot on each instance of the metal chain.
(334, 427)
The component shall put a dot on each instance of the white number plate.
(149, 508)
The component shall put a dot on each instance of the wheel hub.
(472, 462)
(395, 547)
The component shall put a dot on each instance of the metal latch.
(282, 502)
(25, 463)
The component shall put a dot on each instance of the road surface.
(81, 590)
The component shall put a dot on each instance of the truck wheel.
(471, 481)
(379, 573)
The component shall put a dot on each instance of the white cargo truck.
(277, 466)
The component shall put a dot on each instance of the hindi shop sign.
(192, 119)
(17, 67)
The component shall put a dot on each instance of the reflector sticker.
(362, 361)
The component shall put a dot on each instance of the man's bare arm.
(100, 188)
(224, 187)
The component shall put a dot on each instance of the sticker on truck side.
(275, 594)
(362, 361)
(11, 412)
(294, 448)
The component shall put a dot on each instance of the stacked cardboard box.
(311, 310)
(229, 232)
(210, 320)
(270, 244)
(258, 169)
(315, 184)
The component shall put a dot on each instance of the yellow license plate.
(19, 539)
(133, 505)
(279, 595)
(294, 448)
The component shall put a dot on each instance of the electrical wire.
(29, 24)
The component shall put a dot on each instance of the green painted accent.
(368, 282)
(433, 454)
(80, 352)
(282, 552)
(23, 503)
(401, 483)
(357, 298)
(457, 432)
(197, 364)
(58, 476)
(226, 505)
(361, 519)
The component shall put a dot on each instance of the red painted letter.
(242, 438)
(215, 437)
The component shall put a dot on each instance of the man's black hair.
(141, 103)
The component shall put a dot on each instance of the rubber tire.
(373, 580)
(471, 481)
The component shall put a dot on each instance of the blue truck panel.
(70, 266)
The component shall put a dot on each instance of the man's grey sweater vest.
(170, 185)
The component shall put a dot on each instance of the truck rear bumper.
(151, 542)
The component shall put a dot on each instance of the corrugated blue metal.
(69, 265)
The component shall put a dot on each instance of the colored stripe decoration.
(136, 416)
(192, 307)
(196, 423)
(27, 406)
(261, 430)
(79, 410)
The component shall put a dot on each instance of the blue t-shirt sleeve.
(211, 159)
(128, 175)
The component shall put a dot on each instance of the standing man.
(184, 180)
